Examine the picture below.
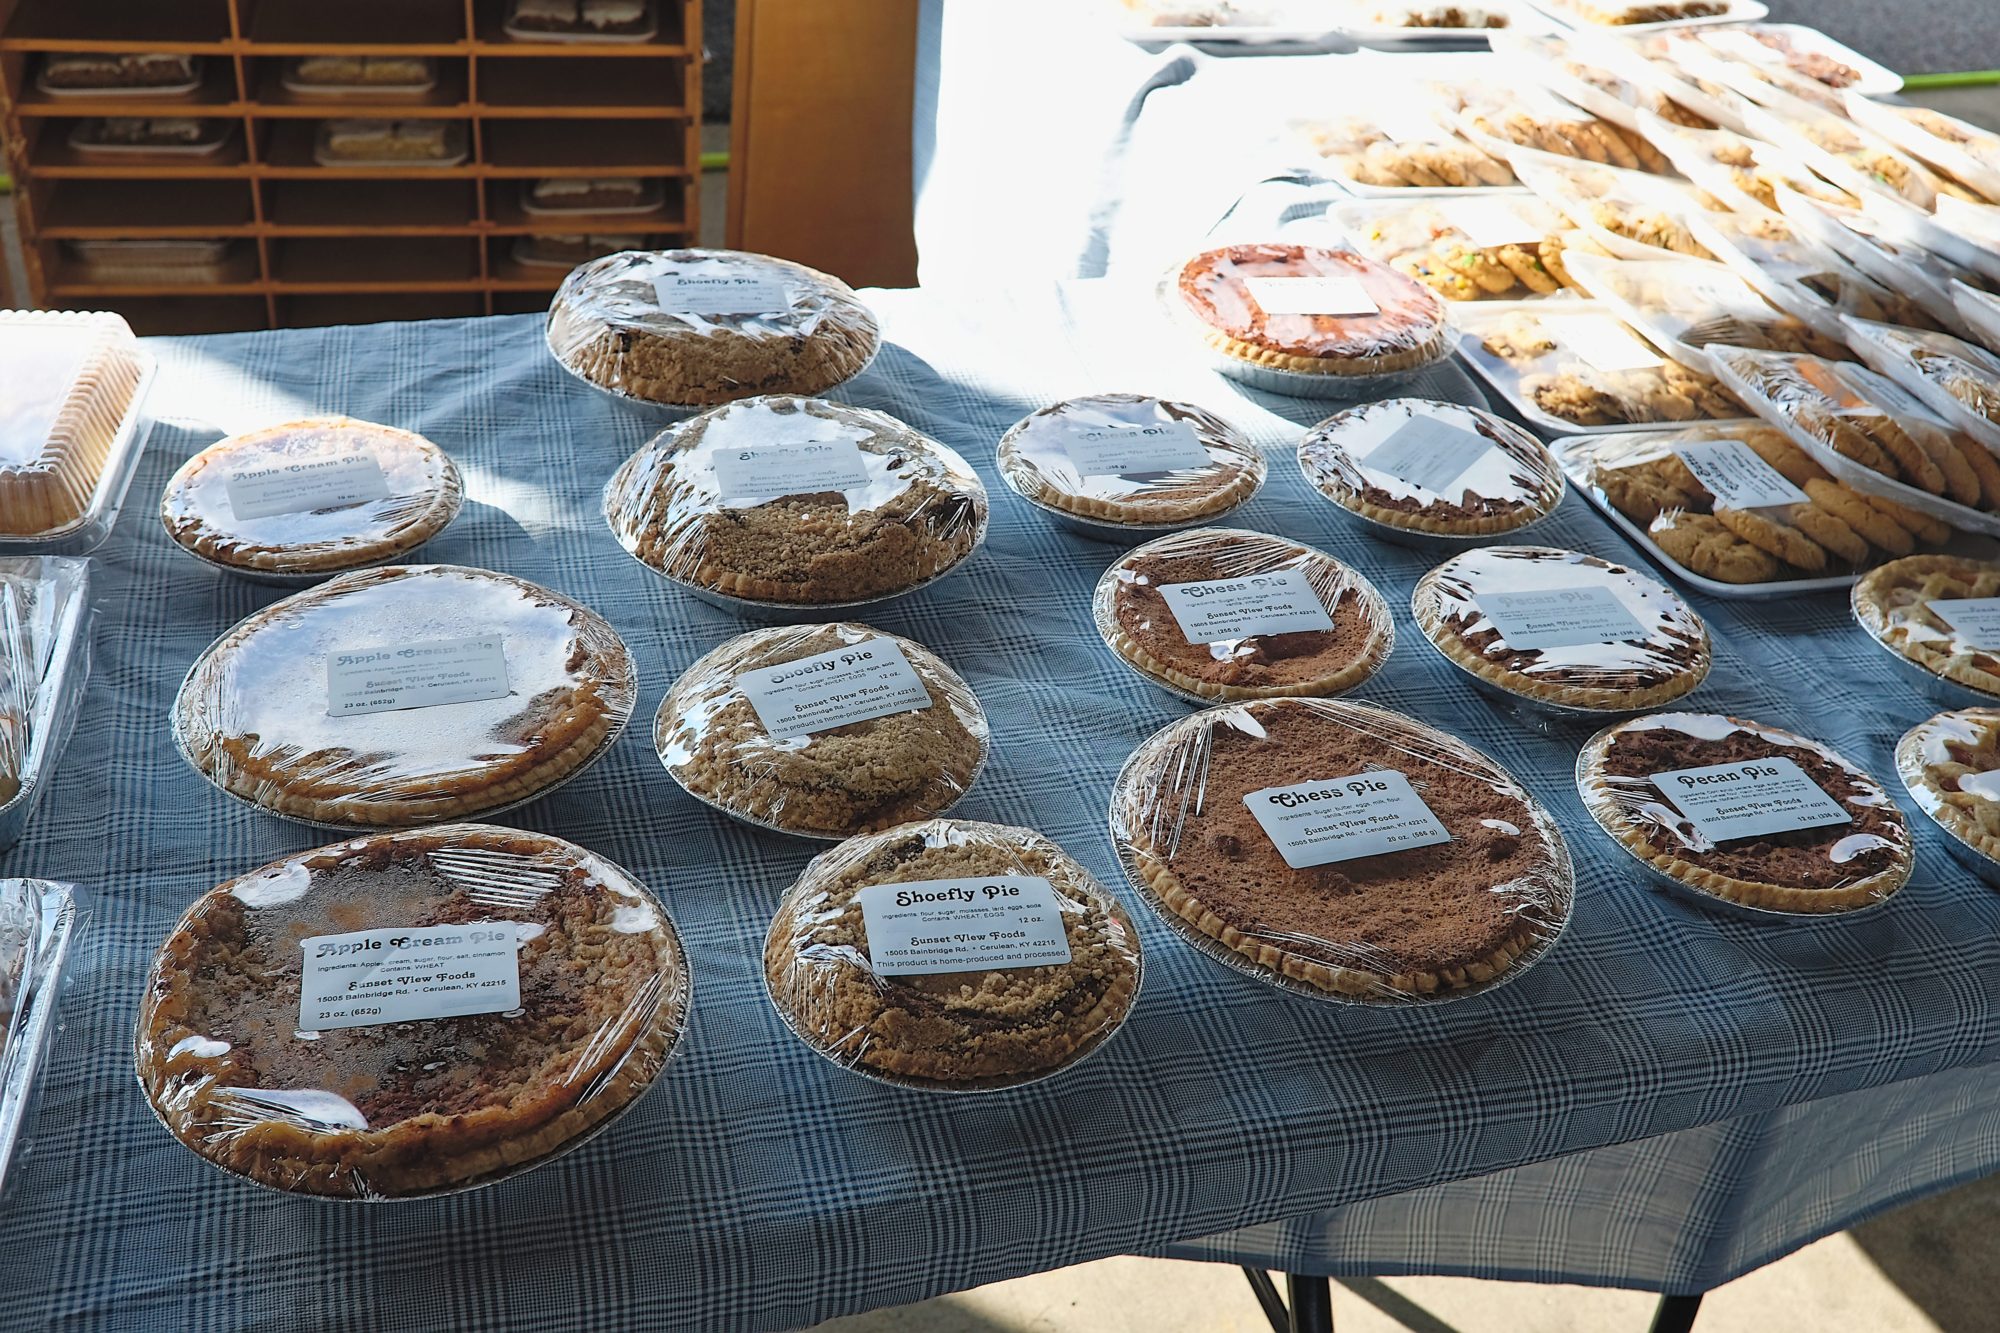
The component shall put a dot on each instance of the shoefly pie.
(423, 1085)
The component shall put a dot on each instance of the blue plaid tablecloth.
(1802, 1072)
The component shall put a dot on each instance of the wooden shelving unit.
(316, 244)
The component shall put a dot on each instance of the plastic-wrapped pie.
(311, 497)
(68, 382)
(694, 328)
(1941, 612)
(1307, 310)
(952, 955)
(1563, 628)
(1221, 613)
(822, 730)
(1124, 458)
(1431, 469)
(1477, 248)
(795, 501)
(1951, 767)
(1582, 367)
(1744, 812)
(410, 1013)
(405, 695)
(1950, 375)
(1341, 849)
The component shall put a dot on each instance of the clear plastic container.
(405, 695)
(1502, 117)
(1604, 80)
(1854, 159)
(1795, 273)
(1981, 312)
(1740, 172)
(796, 507)
(1956, 147)
(45, 629)
(391, 143)
(686, 329)
(1041, 967)
(360, 76)
(38, 922)
(1950, 765)
(1954, 378)
(1935, 616)
(581, 21)
(1684, 305)
(1638, 16)
(521, 993)
(99, 74)
(1916, 275)
(1490, 248)
(1767, 83)
(1341, 851)
(1629, 213)
(1399, 147)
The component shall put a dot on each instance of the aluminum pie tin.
(682, 411)
(1939, 690)
(1547, 716)
(278, 578)
(1110, 530)
(1969, 857)
(1221, 953)
(1435, 543)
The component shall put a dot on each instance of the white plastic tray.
(1739, 11)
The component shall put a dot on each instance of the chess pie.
(1125, 458)
(1896, 604)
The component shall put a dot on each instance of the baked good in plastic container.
(952, 956)
(1950, 765)
(1425, 18)
(609, 196)
(1404, 144)
(1683, 305)
(784, 505)
(38, 924)
(1796, 273)
(1226, 614)
(149, 138)
(1745, 817)
(300, 501)
(824, 731)
(1500, 117)
(568, 249)
(1967, 152)
(1740, 172)
(1579, 367)
(1803, 51)
(97, 74)
(1954, 378)
(1341, 851)
(1429, 474)
(1629, 213)
(695, 328)
(1886, 253)
(1560, 633)
(405, 695)
(1765, 82)
(45, 628)
(377, 142)
(581, 21)
(1860, 162)
(193, 261)
(1937, 615)
(408, 1014)
(1603, 80)
(369, 75)
(1344, 325)
(1639, 13)
(1119, 464)
(1980, 312)
(1479, 248)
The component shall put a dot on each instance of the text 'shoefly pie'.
(409, 1013)
(1939, 611)
(1128, 458)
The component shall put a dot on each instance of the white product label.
(806, 468)
(721, 294)
(1404, 122)
(1109, 451)
(302, 487)
(416, 675)
(1742, 46)
(1560, 617)
(866, 680)
(1428, 453)
(1225, 610)
(407, 974)
(1749, 798)
(963, 925)
(1311, 296)
(1489, 222)
(1975, 620)
(1737, 477)
(1339, 819)
(1602, 341)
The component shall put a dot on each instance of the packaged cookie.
(792, 506)
(1940, 616)
(1476, 248)
(1952, 377)
(1629, 213)
(410, 1014)
(1683, 305)
(1117, 464)
(1806, 52)
(694, 328)
(1745, 817)
(1741, 172)
(1640, 13)
(1950, 765)
(1797, 274)
(1913, 273)
(1980, 310)
(1428, 474)
(45, 625)
(1406, 143)
(1564, 634)
(1960, 149)
(951, 956)
(1858, 161)
(1341, 851)
(1502, 117)
(822, 730)
(1221, 613)
(1738, 62)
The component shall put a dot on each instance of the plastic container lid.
(1494, 247)
(1428, 467)
(1629, 213)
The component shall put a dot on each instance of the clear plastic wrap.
(405, 695)
(1341, 851)
(1767, 83)
(951, 956)
(365, 76)
(1980, 312)
(1965, 232)
(697, 328)
(1494, 247)
(72, 426)
(1412, 24)
(567, 250)
(45, 624)
(1629, 213)
(1940, 615)
(1580, 368)
(1954, 378)
(38, 922)
(581, 21)
(391, 143)
(409, 1014)
(1122, 463)
(1562, 632)
(863, 731)
(594, 196)
(1431, 474)
(782, 503)
(149, 138)
(306, 499)
(1502, 117)
(190, 260)
(1858, 161)
(1950, 765)
(1917, 276)
(1604, 80)
(1643, 14)
(1406, 144)
(1224, 613)
(1958, 148)
(1740, 172)
(97, 74)
(1745, 817)
(1865, 432)
(1683, 305)
(1795, 273)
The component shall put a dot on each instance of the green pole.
(1970, 78)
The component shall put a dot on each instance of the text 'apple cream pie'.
(952, 955)
(1341, 850)
(1224, 613)
(405, 695)
(410, 1013)
(1951, 767)
(1746, 812)
(1939, 612)
(822, 730)
(796, 502)
(1124, 458)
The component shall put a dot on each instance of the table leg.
(1676, 1314)
(1268, 1297)
(1311, 1302)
